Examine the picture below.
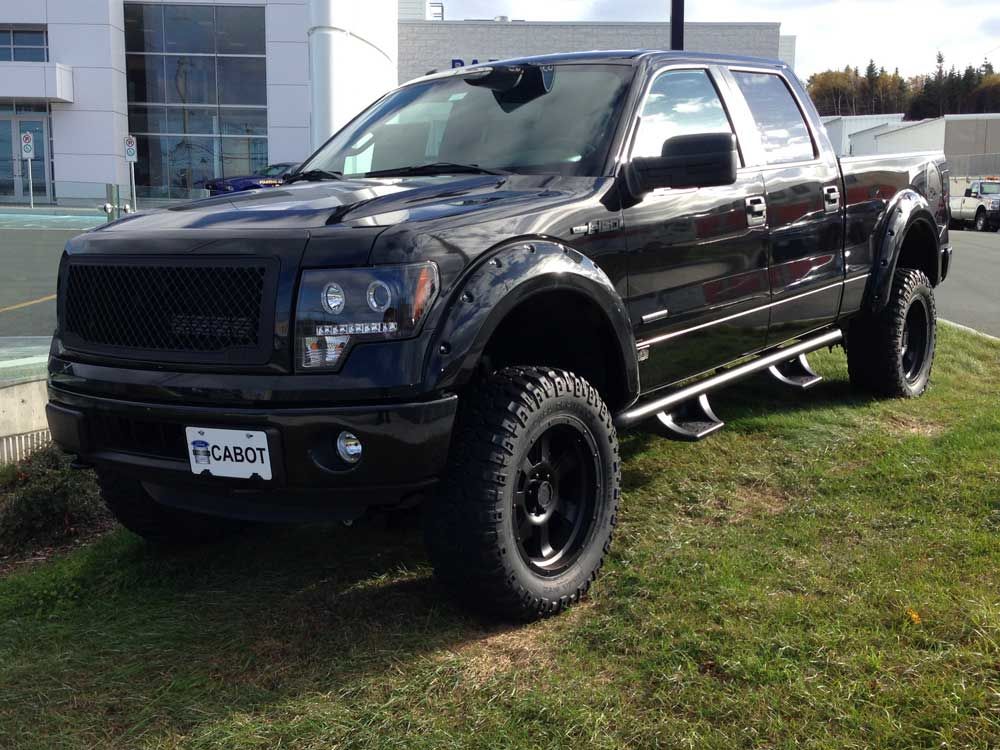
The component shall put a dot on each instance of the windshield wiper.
(313, 175)
(438, 167)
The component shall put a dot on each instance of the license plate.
(240, 454)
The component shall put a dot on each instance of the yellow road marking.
(29, 303)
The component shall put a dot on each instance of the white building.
(842, 128)
(214, 88)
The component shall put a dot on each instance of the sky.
(831, 33)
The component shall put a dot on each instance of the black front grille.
(196, 310)
(123, 435)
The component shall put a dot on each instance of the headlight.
(995, 205)
(340, 307)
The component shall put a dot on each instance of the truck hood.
(364, 202)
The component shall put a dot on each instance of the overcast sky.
(831, 33)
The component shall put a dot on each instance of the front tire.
(526, 514)
(981, 220)
(138, 512)
(891, 353)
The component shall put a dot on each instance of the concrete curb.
(969, 330)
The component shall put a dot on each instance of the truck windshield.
(567, 130)
(991, 188)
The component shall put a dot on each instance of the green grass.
(821, 574)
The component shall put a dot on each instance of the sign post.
(131, 156)
(28, 154)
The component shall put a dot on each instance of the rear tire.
(891, 353)
(138, 512)
(526, 514)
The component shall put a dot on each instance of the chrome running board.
(666, 404)
(796, 373)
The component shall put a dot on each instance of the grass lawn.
(823, 573)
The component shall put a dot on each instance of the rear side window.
(783, 131)
(680, 102)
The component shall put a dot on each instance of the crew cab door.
(970, 203)
(804, 206)
(698, 284)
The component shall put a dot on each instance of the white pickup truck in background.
(979, 206)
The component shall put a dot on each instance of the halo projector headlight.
(340, 307)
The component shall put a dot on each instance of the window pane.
(151, 167)
(204, 120)
(190, 80)
(244, 121)
(29, 38)
(147, 119)
(240, 31)
(241, 156)
(783, 131)
(143, 28)
(145, 78)
(189, 28)
(5, 37)
(682, 102)
(242, 81)
(31, 107)
(191, 161)
(4, 53)
(29, 54)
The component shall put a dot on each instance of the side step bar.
(642, 411)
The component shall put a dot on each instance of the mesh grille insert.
(199, 312)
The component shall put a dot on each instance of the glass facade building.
(197, 94)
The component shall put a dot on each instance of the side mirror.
(968, 192)
(686, 161)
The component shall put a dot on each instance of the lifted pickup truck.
(467, 291)
(979, 206)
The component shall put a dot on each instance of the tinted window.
(143, 28)
(680, 102)
(783, 131)
(239, 31)
(565, 131)
(145, 78)
(189, 28)
(193, 120)
(190, 80)
(242, 80)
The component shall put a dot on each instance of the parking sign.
(131, 152)
(27, 146)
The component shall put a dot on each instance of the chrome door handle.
(756, 211)
(831, 199)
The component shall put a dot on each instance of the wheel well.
(919, 251)
(567, 330)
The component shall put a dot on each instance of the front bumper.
(405, 451)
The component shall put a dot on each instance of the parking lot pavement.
(971, 295)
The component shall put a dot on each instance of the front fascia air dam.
(501, 281)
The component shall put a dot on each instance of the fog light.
(349, 447)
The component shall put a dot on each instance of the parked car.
(270, 176)
(979, 206)
(466, 293)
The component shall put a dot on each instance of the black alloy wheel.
(916, 339)
(555, 495)
(526, 512)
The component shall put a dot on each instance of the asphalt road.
(29, 259)
(971, 294)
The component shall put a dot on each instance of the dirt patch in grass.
(903, 425)
(746, 502)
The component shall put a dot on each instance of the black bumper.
(405, 451)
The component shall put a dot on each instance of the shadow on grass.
(169, 642)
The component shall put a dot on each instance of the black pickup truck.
(466, 292)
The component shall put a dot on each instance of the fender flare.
(907, 208)
(503, 279)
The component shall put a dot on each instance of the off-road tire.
(138, 512)
(879, 356)
(470, 522)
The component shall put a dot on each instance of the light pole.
(677, 24)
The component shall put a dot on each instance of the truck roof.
(617, 56)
